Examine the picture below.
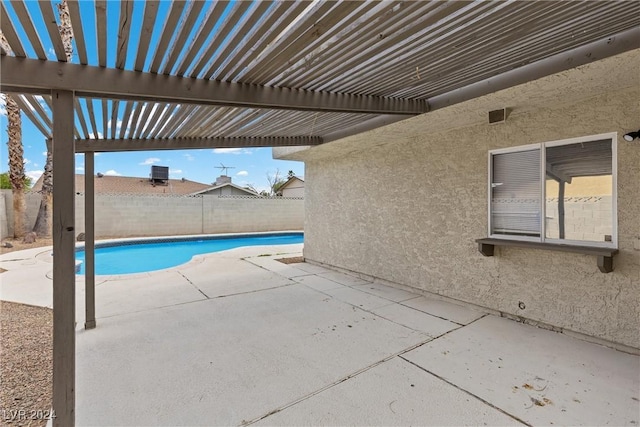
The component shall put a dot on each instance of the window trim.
(613, 136)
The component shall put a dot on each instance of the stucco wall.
(422, 234)
(140, 215)
(294, 191)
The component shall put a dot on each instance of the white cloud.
(242, 173)
(232, 151)
(44, 153)
(26, 161)
(3, 105)
(93, 135)
(34, 175)
(189, 157)
(118, 124)
(175, 171)
(35, 165)
(150, 161)
(80, 169)
(111, 172)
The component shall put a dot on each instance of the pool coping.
(188, 237)
(196, 259)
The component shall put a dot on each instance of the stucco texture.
(405, 203)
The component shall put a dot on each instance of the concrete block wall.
(6, 213)
(135, 215)
(586, 218)
(121, 215)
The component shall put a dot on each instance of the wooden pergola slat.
(124, 27)
(101, 25)
(78, 31)
(52, 28)
(239, 8)
(24, 106)
(207, 25)
(9, 32)
(185, 27)
(167, 32)
(27, 25)
(150, 13)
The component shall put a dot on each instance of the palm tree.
(16, 158)
(43, 225)
(16, 166)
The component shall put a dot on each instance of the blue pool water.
(140, 257)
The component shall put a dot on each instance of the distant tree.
(275, 182)
(44, 220)
(16, 166)
(5, 181)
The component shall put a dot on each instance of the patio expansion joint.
(486, 402)
(373, 365)
(335, 383)
(192, 284)
(194, 301)
(434, 315)
(391, 302)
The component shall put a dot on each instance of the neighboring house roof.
(228, 184)
(293, 182)
(135, 185)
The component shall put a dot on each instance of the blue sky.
(251, 166)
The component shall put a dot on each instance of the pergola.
(186, 75)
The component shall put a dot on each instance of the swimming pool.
(141, 256)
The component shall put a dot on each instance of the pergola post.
(561, 224)
(89, 243)
(64, 293)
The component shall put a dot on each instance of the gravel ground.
(26, 364)
(26, 356)
(18, 245)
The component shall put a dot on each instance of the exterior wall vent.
(498, 116)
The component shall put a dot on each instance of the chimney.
(222, 179)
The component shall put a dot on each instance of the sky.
(250, 166)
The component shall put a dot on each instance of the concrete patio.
(237, 338)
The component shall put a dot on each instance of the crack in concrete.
(333, 384)
(358, 372)
(486, 402)
(193, 284)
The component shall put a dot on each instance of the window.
(555, 192)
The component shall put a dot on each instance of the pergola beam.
(113, 145)
(21, 74)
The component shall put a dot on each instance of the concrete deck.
(237, 338)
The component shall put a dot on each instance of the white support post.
(64, 275)
(89, 243)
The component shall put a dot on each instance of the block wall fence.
(121, 215)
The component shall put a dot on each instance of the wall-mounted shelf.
(604, 255)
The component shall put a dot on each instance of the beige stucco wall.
(295, 190)
(420, 231)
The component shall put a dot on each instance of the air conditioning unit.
(159, 173)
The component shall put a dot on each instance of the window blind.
(516, 193)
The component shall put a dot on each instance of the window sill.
(605, 255)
